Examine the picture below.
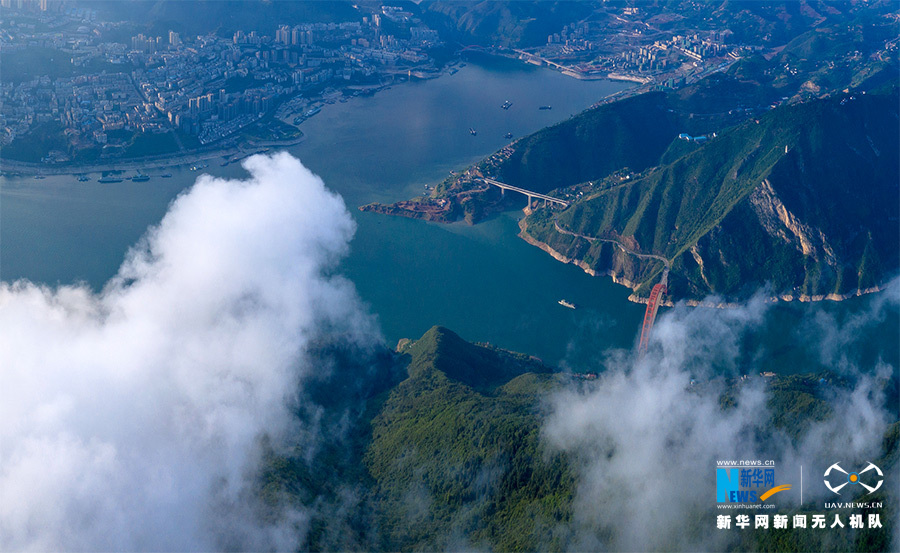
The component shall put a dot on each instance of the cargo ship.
(106, 180)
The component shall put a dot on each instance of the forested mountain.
(805, 197)
(503, 23)
(444, 447)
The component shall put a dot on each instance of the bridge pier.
(548, 200)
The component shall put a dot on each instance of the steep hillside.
(631, 133)
(501, 23)
(458, 468)
(805, 198)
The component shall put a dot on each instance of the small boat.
(82, 178)
(565, 303)
(546, 107)
(508, 135)
(140, 178)
(473, 132)
(39, 177)
(166, 175)
(454, 71)
(506, 105)
(106, 180)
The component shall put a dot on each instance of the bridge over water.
(656, 296)
(504, 187)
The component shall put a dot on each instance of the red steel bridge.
(656, 296)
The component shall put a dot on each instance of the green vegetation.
(35, 145)
(453, 453)
(38, 61)
(449, 454)
(239, 84)
(438, 447)
(631, 133)
(151, 144)
(269, 128)
(823, 222)
(502, 23)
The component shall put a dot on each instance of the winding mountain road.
(621, 246)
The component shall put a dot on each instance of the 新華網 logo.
(746, 484)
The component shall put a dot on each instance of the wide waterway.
(482, 281)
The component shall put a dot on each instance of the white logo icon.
(853, 478)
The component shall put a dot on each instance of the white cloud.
(129, 419)
(644, 441)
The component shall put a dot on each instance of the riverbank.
(803, 298)
(236, 153)
(436, 211)
(23, 168)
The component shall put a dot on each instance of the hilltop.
(439, 446)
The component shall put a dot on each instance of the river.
(481, 281)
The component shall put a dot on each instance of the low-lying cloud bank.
(131, 419)
(645, 438)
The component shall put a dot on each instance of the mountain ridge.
(780, 183)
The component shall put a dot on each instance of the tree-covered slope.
(442, 446)
(456, 467)
(502, 23)
(631, 133)
(805, 197)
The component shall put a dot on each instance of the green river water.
(481, 281)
